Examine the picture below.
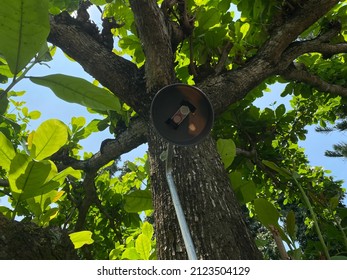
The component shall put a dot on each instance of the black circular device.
(182, 114)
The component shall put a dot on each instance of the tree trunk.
(212, 211)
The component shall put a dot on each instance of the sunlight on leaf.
(138, 201)
(143, 246)
(7, 152)
(50, 136)
(227, 151)
(81, 238)
(25, 25)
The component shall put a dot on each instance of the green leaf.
(77, 123)
(28, 183)
(34, 115)
(99, 2)
(235, 179)
(334, 202)
(7, 152)
(138, 201)
(266, 212)
(290, 224)
(280, 111)
(207, 19)
(25, 25)
(244, 29)
(143, 246)
(80, 91)
(248, 191)
(227, 151)
(147, 229)
(49, 137)
(81, 238)
(130, 254)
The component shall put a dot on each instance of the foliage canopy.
(50, 180)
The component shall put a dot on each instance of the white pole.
(188, 242)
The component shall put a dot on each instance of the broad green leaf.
(130, 254)
(7, 152)
(280, 110)
(207, 19)
(266, 212)
(24, 27)
(17, 168)
(49, 137)
(244, 29)
(147, 229)
(138, 201)
(235, 179)
(29, 183)
(80, 91)
(132, 166)
(143, 246)
(60, 177)
(227, 151)
(248, 191)
(290, 224)
(81, 238)
(56, 180)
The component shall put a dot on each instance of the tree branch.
(131, 138)
(301, 19)
(90, 198)
(321, 44)
(119, 75)
(302, 75)
(4, 183)
(134, 136)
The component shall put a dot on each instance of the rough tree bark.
(212, 211)
(27, 241)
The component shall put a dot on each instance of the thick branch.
(156, 40)
(285, 34)
(90, 198)
(321, 44)
(114, 72)
(326, 49)
(131, 138)
(302, 75)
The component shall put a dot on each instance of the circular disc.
(182, 114)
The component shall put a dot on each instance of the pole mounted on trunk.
(182, 115)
